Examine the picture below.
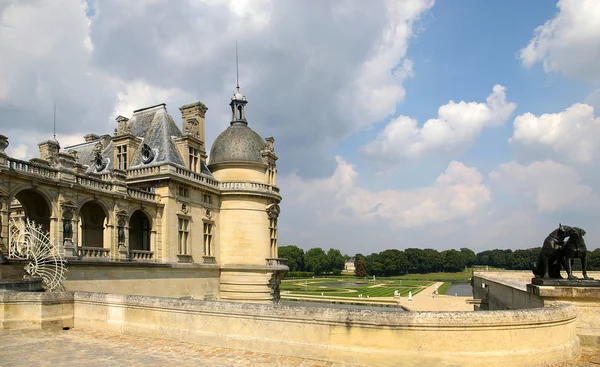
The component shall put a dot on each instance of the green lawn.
(444, 288)
(378, 288)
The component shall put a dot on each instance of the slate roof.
(238, 143)
(155, 127)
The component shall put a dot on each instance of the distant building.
(349, 266)
(143, 212)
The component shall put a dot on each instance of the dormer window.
(193, 159)
(122, 157)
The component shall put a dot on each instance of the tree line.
(413, 260)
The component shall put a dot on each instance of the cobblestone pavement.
(32, 348)
(590, 357)
(28, 348)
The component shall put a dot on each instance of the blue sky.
(351, 94)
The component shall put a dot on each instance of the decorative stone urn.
(3, 143)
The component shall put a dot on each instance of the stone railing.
(143, 171)
(196, 176)
(141, 255)
(94, 183)
(250, 186)
(140, 194)
(93, 253)
(276, 261)
(31, 168)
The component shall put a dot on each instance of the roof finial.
(237, 68)
(54, 120)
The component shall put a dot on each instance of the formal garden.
(352, 287)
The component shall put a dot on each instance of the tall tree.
(360, 267)
(469, 255)
(315, 260)
(335, 261)
(295, 256)
(453, 260)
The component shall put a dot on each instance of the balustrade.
(141, 255)
(196, 176)
(140, 194)
(93, 253)
(252, 186)
(143, 171)
(31, 168)
(94, 183)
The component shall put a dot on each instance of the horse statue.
(575, 248)
(551, 256)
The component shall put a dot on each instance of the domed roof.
(238, 143)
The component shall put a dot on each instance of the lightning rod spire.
(237, 68)
(54, 120)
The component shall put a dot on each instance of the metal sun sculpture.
(29, 241)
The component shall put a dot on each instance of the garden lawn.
(377, 288)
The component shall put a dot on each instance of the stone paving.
(27, 348)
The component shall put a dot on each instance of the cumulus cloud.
(458, 125)
(46, 59)
(341, 65)
(457, 193)
(568, 43)
(571, 134)
(552, 186)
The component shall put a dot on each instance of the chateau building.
(143, 212)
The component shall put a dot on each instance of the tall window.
(122, 157)
(208, 239)
(271, 175)
(273, 230)
(184, 233)
(193, 159)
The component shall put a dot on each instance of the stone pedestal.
(583, 294)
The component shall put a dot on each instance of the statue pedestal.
(70, 250)
(584, 294)
(565, 282)
(123, 253)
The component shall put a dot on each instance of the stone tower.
(244, 164)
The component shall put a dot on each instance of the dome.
(238, 143)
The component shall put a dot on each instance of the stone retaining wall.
(534, 337)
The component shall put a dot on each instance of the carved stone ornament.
(208, 213)
(99, 162)
(147, 154)
(273, 211)
(185, 208)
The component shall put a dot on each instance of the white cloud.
(458, 125)
(568, 42)
(378, 88)
(139, 94)
(457, 193)
(572, 133)
(19, 151)
(552, 186)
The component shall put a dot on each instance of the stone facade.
(143, 212)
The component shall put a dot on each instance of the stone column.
(4, 225)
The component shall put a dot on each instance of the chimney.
(121, 125)
(91, 137)
(48, 150)
(192, 116)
